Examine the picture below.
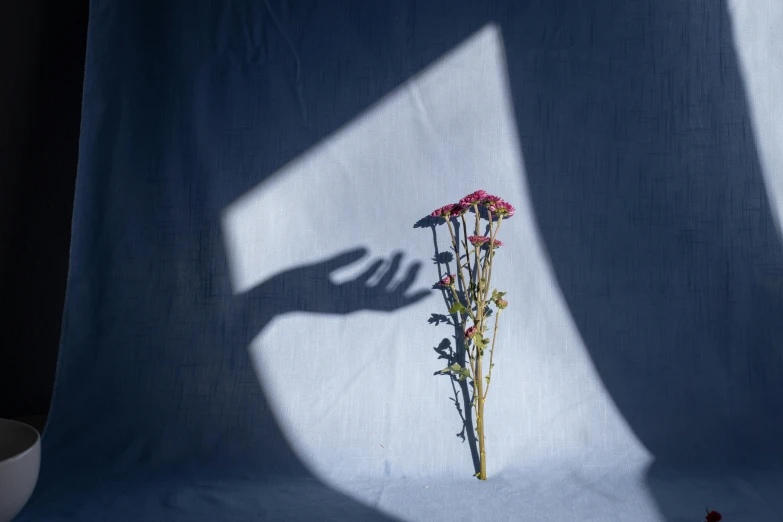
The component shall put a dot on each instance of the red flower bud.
(713, 516)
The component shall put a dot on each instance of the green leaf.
(501, 294)
(457, 307)
(453, 368)
(456, 369)
(487, 379)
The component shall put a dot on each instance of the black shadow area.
(648, 193)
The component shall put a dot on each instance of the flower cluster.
(493, 204)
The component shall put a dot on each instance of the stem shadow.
(453, 353)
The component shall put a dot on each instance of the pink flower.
(458, 210)
(497, 243)
(502, 303)
(443, 211)
(477, 240)
(470, 332)
(490, 200)
(473, 198)
(448, 280)
(502, 208)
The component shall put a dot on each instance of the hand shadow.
(309, 288)
(384, 287)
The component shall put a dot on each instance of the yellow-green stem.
(478, 380)
(492, 355)
(476, 263)
(459, 272)
(465, 244)
(480, 422)
(491, 251)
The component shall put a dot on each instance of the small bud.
(448, 280)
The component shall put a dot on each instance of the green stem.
(474, 402)
(480, 423)
(476, 263)
(465, 243)
(492, 354)
(491, 252)
(459, 272)
(489, 246)
(482, 393)
(478, 381)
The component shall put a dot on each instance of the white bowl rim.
(26, 451)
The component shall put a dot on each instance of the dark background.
(42, 45)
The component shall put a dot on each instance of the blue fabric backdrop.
(224, 357)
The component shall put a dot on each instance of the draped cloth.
(251, 332)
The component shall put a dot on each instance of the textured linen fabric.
(230, 353)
